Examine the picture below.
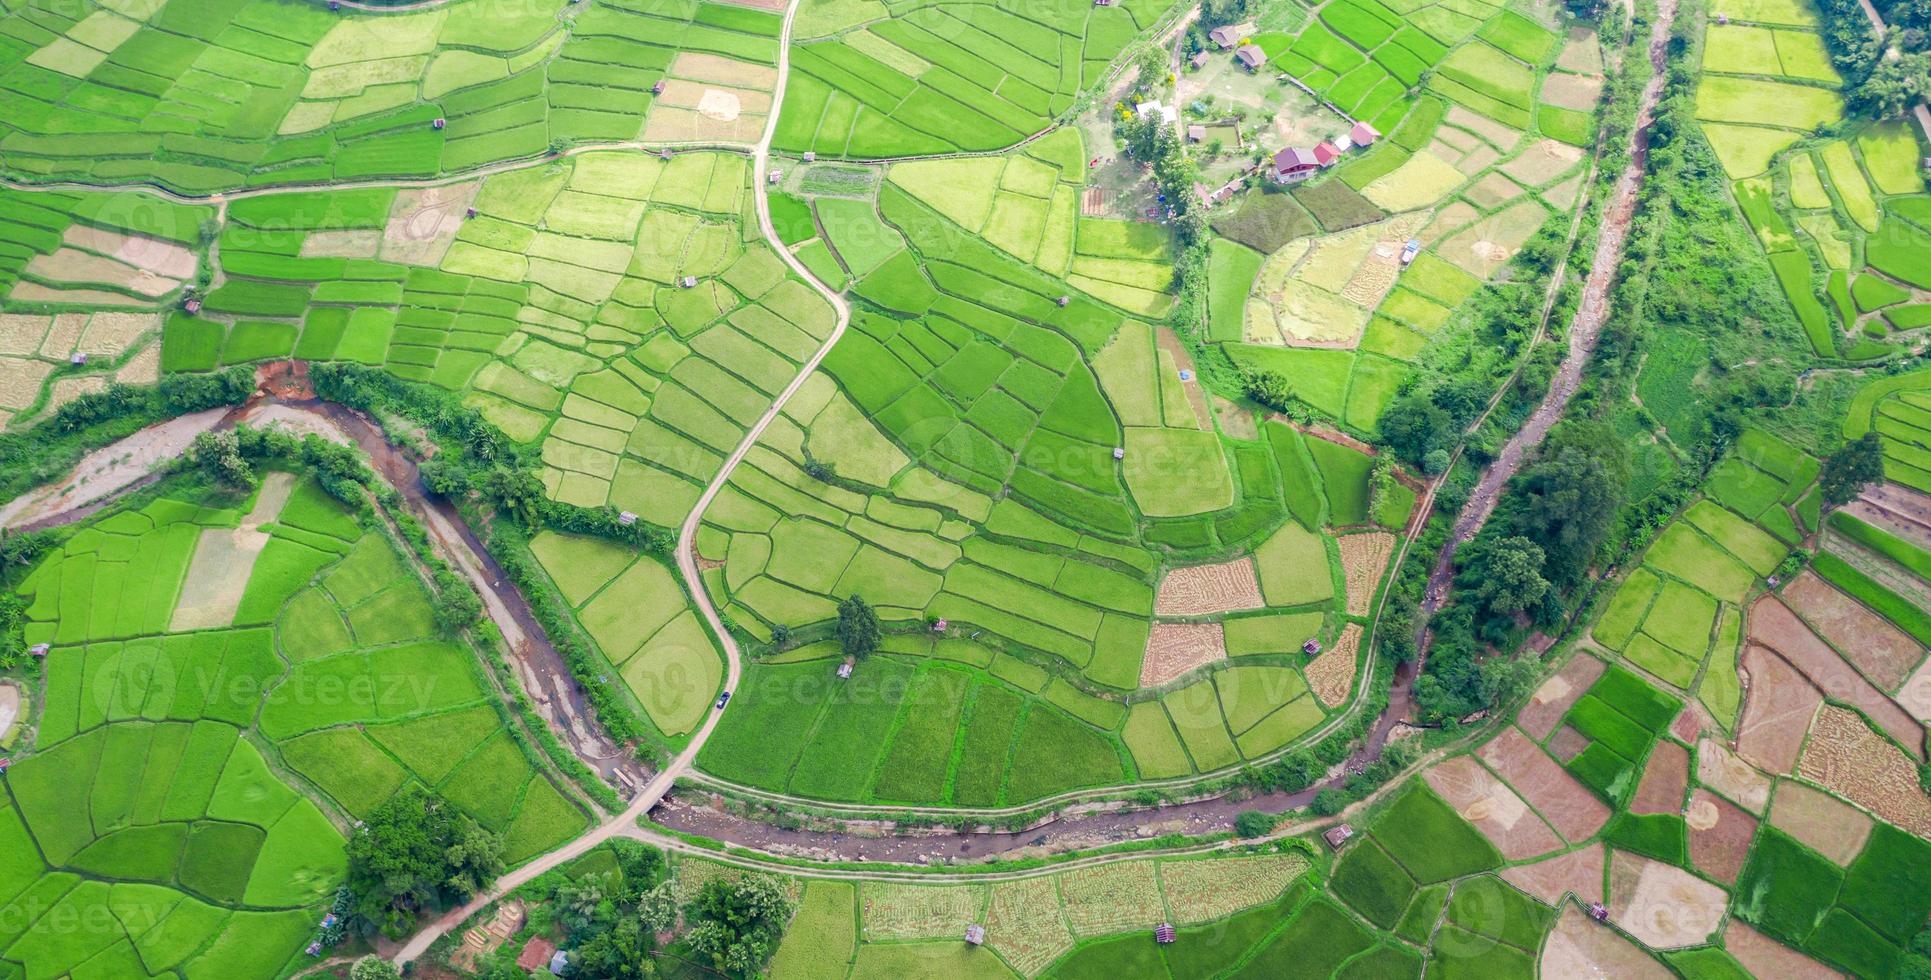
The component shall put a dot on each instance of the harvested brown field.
(141, 369)
(75, 266)
(9, 709)
(165, 259)
(63, 335)
(1485, 246)
(1581, 52)
(20, 333)
(359, 243)
(1880, 650)
(1453, 217)
(1492, 191)
(113, 334)
(1478, 160)
(1492, 807)
(1722, 770)
(1777, 705)
(1582, 947)
(1830, 826)
(1493, 133)
(424, 221)
(1665, 778)
(1567, 743)
(1557, 695)
(720, 70)
(1569, 807)
(224, 558)
(1363, 558)
(65, 390)
(1846, 757)
(1176, 648)
(888, 910)
(1110, 898)
(724, 103)
(1578, 92)
(1204, 890)
(1689, 723)
(1543, 161)
(1202, 590)
(1898, 508)
(1577, 873)
(1331, 675)
(1720, 834)
(33, 292)
(1915, 695)
(774, 6)
(1775, 626)
(20, 382)
(1024, 925)
(1766, 957)
(1563, 195)
(1663, 906)
(674, 124)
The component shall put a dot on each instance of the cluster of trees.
(1876, 85)
(415, 854)
(1214, 13)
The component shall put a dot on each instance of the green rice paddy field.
(233, 685)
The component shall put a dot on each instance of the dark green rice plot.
(490, 783)
(1786, 888)
(1207, 950)
(838, 762)
(1663, 836)
(993, 718)
(1336, 206)
(1431, 840)
(1132, 955)
(1604, 770)
(1706, 963)
(1382, 963)
(1419, 920)
(1344, 475)
(1318, 940)
(1889, 884)
(346, 766)
(1635, 698)
(915, 766)
(281, 570)
(217, 860)
(1462, 955)
(135, 854)
(1845, 940)
(1609, 727)
(1056, 753)
(399, 612)
(1370, 881)
(1488, 906)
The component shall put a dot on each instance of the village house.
(1251, 57)
(1228, 35)
(1196, 133)
(1325, 153)
(1293, 165)
(1363, 135)
(1199, 59)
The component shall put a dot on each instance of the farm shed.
(536, 954)
(1337, 836)
(1228, 35)
(1251, 57)
(1363, 134)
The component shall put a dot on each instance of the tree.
(620, 952)
(1853, 465)
(1153, 67)
(738, 924)
(1329, 802)
(857, 627)
(218, 454)
(414, 853)
(1571, 496)
(1268, 388)
(1415, 426)
(657, 908)
(374, 967)
(1253, 823)
(1505, 576)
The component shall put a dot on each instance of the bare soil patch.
(423, 222)
(1777, 705)
(1478, 160)
(1569, 807)
(33, 292)
(1201, 590)
(1456, 215)
(223, 560)
(720, 70)
(1915, 695)
(1581, 52)
(1582, 947)
(1848, 758)
(360, 243)
(1577, 873)
(1331, 675)
(165, 259)
(1880, 650)
(1363, 558)
(1567, 743)
(1169, 342)
(1830, 826)
(106, 471)
(1543, 161)
(1665, 778)
(1234, 420)
(1689, 724)
(75, 266)
(1493, 191)
(1774, 625)
(673, 124)
(724, 103)
(9, 709)
(1558, 694)
(1176, 648)
(1766, 957)
(1663, 906)
(1722, 770)
(1720, 834)
(1577, 92)
(1900, 508)
(1493, 133)
(1493, 808)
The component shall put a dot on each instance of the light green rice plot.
(1681, 619)
(1740, 49)
(1195, 711)
(1803, 55)
(579, 565)
(1797, 13)
(1891, 156)
(1683, 552)
(1756, 101)
(1746, 151)
(842, 434)
(1806, 188)
(1739, 537)
(1157, 751)
(1721, 690)
(676, 674)
(1293, 567)
(961, 189)
(1848, 179)
(1626, 609)
(631, 608)
(1176, 472)
(1281, 726)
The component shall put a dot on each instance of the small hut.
(626, 518)
(688, 282)
(975, 935)
(5, 764)
(664, 154)
(1163, 934)
(845, 670)
(1337, 836)
(1196, 133)
(1063, 300)
(1597, 912)
(78, 359)
(536, 954)
(439, 123)
(1311, 647)
(810, 156)
(774, 176)
(657, 87)
(39, 650)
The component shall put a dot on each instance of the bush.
(1329, 802)
(1253, 823)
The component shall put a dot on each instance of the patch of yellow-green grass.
(962, 189)
(1740, 49)
(1802, 55)
(1891, 156)
(1176, 472)
(1418, 183)
(1761, 102)
(1018, 224)
(1796, 13)
(1806, 188)
(1831, 241)
(1851, 187)
(1157, 752)
(1745, 151)
(823, 935)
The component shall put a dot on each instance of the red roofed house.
(1363, 134)
(1294, 165)
(536, 954)
(1325, 153)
